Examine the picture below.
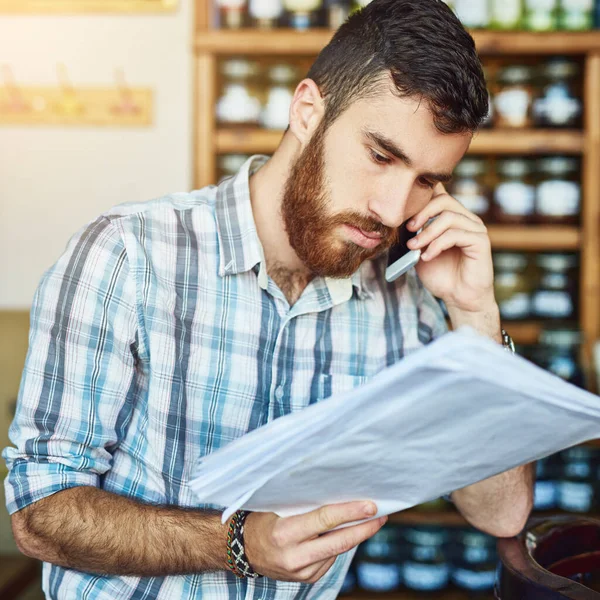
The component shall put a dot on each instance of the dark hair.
(422, 45)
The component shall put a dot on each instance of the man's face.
(356, 183)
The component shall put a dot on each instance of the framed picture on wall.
(86, 6)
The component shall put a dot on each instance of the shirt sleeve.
(79, 382)
(432, 322)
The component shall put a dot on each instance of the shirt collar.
(239, 245)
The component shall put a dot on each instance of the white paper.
(458, 411)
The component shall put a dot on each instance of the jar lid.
(283, 73)
(578, 453)
(510, 261)
(426, 536)
(515, 74)
(561, 338)
(558, 165)
(556, 262)
(239, 68)
(471, 167)
(475, 539)
(515, 167)
(560, 68)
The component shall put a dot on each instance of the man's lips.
(365, 239)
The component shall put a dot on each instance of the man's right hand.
(304, 547)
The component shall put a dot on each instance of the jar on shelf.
(506, 15)
(558, 194)
(230, 164)
(576, 488)
(349, 583)
(426, 568)
(337, 12)
(302, 12)
(474, 14)
(276, 112)
(514, 196)
(558, 104)
(576, 15)
(469, 186)
(239, 103)
(556, 294)
(474, 561)
(547, 480)
(265, 13)
(514, 97)
(512, 284)
(541, 15)
(378, 561)
(358, 4)
(559, 353)
(232, 13)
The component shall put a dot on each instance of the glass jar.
(276, 112)
(239, 103)
(474, 561)
(576, 488)
(232, 13)
(559, 353)
(514, 97)
(541, 15)
(265, 12)
(576, 15)
(229, 164)
(506, 14)
(378, 561)
(337, 12)
(514, 196)
(556, 294)
(301, 12)
(349, 583)
(558, 194)
(558, 104)
(512, 285)
(547, 479)
(469, 186)
(473, 14)
(426, 567)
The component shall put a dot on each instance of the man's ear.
(306, 111)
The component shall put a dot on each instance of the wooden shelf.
(524, 332)
(451, 594)
(289, 42)
(535, 238)
(540, 141)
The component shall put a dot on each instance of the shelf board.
(253, 140)
(524, 332)
(532, 238)
(451, 594)
(304, 43)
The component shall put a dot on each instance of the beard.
(310, 227)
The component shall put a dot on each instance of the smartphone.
(400, 258)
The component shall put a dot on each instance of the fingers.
(437, 206)
(469, 242)
(308, 526)
(446, 221)
(338, 542)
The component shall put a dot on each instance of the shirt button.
(279, 393)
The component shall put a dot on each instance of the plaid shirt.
(158, 337)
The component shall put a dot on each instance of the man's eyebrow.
(392, 148)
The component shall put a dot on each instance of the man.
(172, 327)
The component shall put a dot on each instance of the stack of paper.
(456, 412)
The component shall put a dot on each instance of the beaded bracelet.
(236, 555)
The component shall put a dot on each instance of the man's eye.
(379, 158)
(426, 183)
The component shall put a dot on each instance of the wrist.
(485, 321)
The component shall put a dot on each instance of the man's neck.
(266, 192)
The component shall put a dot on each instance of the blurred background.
(110, 101)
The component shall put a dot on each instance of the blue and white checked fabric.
(158, 337)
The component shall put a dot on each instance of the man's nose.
(389, 207)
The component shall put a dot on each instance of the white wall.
(55, 179)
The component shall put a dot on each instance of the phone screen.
(399, 249)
